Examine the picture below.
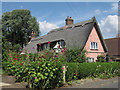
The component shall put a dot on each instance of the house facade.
(85, 35)
(113, 47)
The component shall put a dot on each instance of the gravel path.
(9, 82)
(96, 83)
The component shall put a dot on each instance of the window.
(90, 59)
(45, 46)
(93, 45)
(62, 43)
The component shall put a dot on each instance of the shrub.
(76, 55)
(101, 58)
(83, 70)
(37, 69)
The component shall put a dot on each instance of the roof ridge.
(73, 25)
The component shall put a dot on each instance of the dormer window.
(93, 45)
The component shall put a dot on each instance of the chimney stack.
(32, 35)
(69, 21)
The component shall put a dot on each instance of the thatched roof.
(74, 35)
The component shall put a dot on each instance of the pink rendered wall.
(93, 38)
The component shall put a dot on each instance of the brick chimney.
(32, 35)
(69, 21)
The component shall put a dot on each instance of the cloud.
(21, 7)
(45, 27)
(109, 26)
(115, 7)
(97, 11)
(105, 11)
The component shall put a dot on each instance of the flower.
(35, 78)
(57, 56)
(36, 59)
(59, 46)
(10, 56)
(15, 58)
(39, 63)
(21, 64)
(39, 44)
(47, 53)
(62, 68)
(28, 63)
(49, 42)
(111, 60)
(33, 48)
(25, 55)
(64, 49)
(12, 63)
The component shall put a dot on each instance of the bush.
(101, 58)
(17, 47)
(37, 69)
(83, 70)
(76, 55)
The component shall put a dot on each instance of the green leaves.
(17, 26)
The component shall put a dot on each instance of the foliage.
(83, 70)
(5, 49)
(17, 26)
(76, 55)
(101, 58)
(17, 47)
(37, 69)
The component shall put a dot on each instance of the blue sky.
(51, 15)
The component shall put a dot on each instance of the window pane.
(91, 45)
(96, 46)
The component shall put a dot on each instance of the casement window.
(90, 59)
(93, 45)
(45, 46)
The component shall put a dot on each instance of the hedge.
(83, 70)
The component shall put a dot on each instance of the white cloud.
(115, 6)
(21, 7)
(97, 11)
(105, 11)
(109, 26)
(45, 27)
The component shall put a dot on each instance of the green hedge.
(83, 70)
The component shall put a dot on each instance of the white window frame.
(94, 45)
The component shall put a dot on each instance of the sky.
(51, 15)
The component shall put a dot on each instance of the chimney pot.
(68, 17)
(69, 21)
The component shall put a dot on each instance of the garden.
(45, 70)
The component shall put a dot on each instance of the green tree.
(17, 26)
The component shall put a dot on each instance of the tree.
(17, 26)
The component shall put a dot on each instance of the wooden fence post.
(64, 69)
